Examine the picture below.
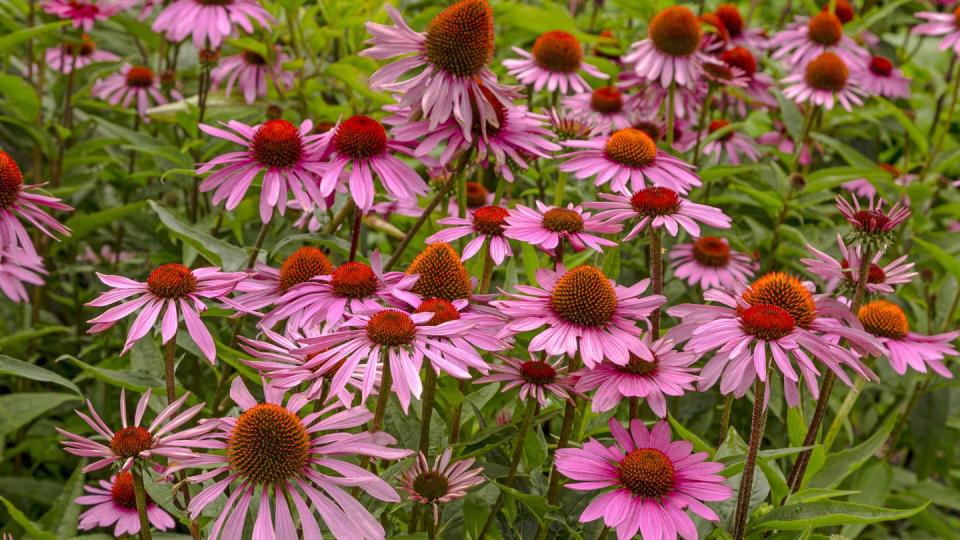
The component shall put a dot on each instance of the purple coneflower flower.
(487, 223)
(758, 84)
(809, 37)
(737, 33)
(553, 64)
(84, 13)
(607, 108)
(250, 72)
(654, 481)
(941, 24)
(658, 207)
(535, 378)
(672, 52)
(884, 79)
(733, 145)
(825, 81)
(132, 83)
(168, 287)
(904, 348)
(17, 267)
(710, 263)
(266, 285)
(21, 201)
(448, 480)
(584, 312)
(872, 221)
(548, 227)
(210, 22)
(71, 55)
(114, 505)
(845, 272)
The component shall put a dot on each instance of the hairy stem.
(757, 425)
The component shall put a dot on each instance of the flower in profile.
(758, 84)
(658, 207)
(904, 348)
(553, 63)
(569, 124)
(535, 378)
(114, 503)
(661, 371)
(628, 158)
(606, 107)
(448, 480)
(940, 24)
(361, 143)
(738, 34)
(783, 142)
(72, 55)
(131, 83)
(584, 312)
(882, 78)
(872, 223)
(710, 263)
(17, 267)
(132, 441)
(733, 145)
(654, 479)
(777, 316)
(210, 22)
(168, 287)
(266, 284)
(548, 227)
(487, 223)
(807, 38)
(19, 201)
(825, 81)
(83, 13)
(275, 449)
(450, 59)
(845, 272)
(288, 156)
(672, 53)
(251, 71)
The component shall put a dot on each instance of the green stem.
(457, 412)
(725, 418)
(170, 350)
(257, 244)
(946, 127)
(904, 419)
(514, 463)
(757, 425)
(426, 411)
(558, 191)
(140, 496)
(487, 273)
(704, 112)
(842, 413)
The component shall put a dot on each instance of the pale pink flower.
(251, 73)
(734, 145)
(266, 285)
(904, 348)
(606, 108)
(710, 263)
(19, 201)
(671, 54)
(447, 480)
(825, 81)
(131, 83)
(113, 504)
(487, 224)
(17, 268)
(553, 63)
(84, 13)
(882, 78)
(210, 23)
(535, 378)
(548, 227)
(809, 37)
(940, 24)
(70, 55)
(658, 207)
(845, 271)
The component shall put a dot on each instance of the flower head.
(553, 63)
(548, 227)
(73, 55)
(83, 13)
(131, 83)
(487, 224)
(809, 37)
(825, 81)
(447, 480)
(658, 207)
(733, 145)
(882, 78)
(19, 201)
(904, 348)
(440, 273)
(710, 263)
(266, 285)
(251, 71)
(844, 273)
(113, 505)
(210, 22)
(940, 24)
(872, 224)
(607, 107)
(671, 54)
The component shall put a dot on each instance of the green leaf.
(31, 528)
(537, 20)
(131, 380)
(531, 262)
(840, 465)
(17, 410)
(873, 483)
(34, 333)
(535, 503)
(19, 368)
(14, 39)
(860, 24)
(19, 97)
(949, 262)
(334, 243)
(797, 517)
(847, 152)
(792, 117)
(63, 516)
(228, 256)
(84, 224)
(699, 445)
(724, 171)
(818, 494)
(918, 137)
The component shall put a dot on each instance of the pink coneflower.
(584, 312)
(487, 223)
(660, 371)
(658, 207)
(882, 78)
(132, 441)
(553, 63)
(250, 72)
(654, 480)
(809, 37)
(131, 83)
(450, 59)
(535, 378)
(782, 140)
(904, 348)
(478, 196)
(737, 32)
(274, 449)
(210, 22)
(628, 158)
(872, 221)
(167, 287)
(606, 107)
(84, 13)
(733, 145)
(758, 85)
(710, 263)
(940, 24)
(863, 188)
(351, 288)
(71, 55)
(19, 267)
(548, 227)
(777, 313)
(114, 503)
(566, 123)
(825, 81)
(289, 158)
(361, 144)
(845, 272)
(446, 481)
(266, 284)
(486, 324)
(672, 52)
(21, 201)
(401, 338)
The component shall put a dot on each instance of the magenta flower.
(17, 267)
(487, 223)
(809, 37)
(660, 371)
(734, 145)
(447, 480)
(266, 285)
(70, 55)
(710, 263)
(825, 81)
(845, 272)
(776, 313)
(21, 201)
(780, 139)
(450, 60)
(114, 505)
(210, 22)
(553, 63)
(658, 207)
(271, 448)
(738, 34)
(654, 481)
(904, 348)
(940, 24)
(547, 227)
(607, 108)
(628, 159)
(250, 72)
(585, 313)
(872, 219)
(288, 156)
(84, 13)
(882, 78)
(535, 378)
(167, 287)
(758, 85)
(132, 441)
(361, 143)
(132, 83)
(672, 52)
